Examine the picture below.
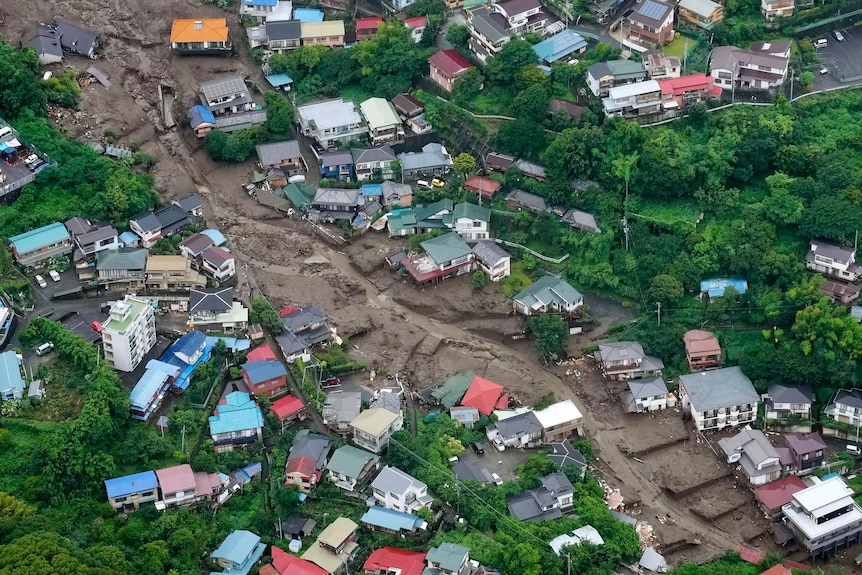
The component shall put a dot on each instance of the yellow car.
(438, 183)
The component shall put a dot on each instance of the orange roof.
(483, 394)
(483, 186)
(777, 570)
(201, 30)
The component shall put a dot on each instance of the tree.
(467, 87)
(391, 61)
(506, 66)
(550, 333)
(464, 163)
(479, 279)
(279, 113)
(806, 78)
(459, 36)
(574, 154)
(266, 315)
(20, 89)
(666, 288)
(532, 103)
(781, 206)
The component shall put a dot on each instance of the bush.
(234, 147)
(479, 279)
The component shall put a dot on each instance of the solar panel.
(651, 9)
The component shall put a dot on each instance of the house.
(32, 248)
(11, 379)
(602, 76)
(389, 400)
(453, 389)
(335, 546)
(788, 401)
(329, 33)
(719, 398)
(128, 333)
(702, 13)
(761, 67)
(702, 350)
(306, 461)
(308, 323)
(447, 559)
(336, 203)
(391, 560)
(396, 490)
(566, 108)
(407, 106)
(581, 221)
(492, 259)
(659, 66)
(179, 485)
(331, 122)
(46, 42)
(297, 526)
(755, 455)
(337, 165)
(384, 124)
(238, 553)
(677, 93)
(77, 40)
(776, 8)
(633, 100)
(393, 522)
(152, 388)
(283, 36)
(488, 32)
(824, 517)
(717, 287)
(482, 186)
(773, 496)
(350, 468)
(262, 351)
(560, 46)
(265, 376)
(485, 395)
(395, 195)
(548, 294)
(444, 256)
(152, 226)
(309, 15)
(466, 416)
(652, 23)
(228, 99)
(833, 260)
(563, 455)
(648, 394)
(470, 221)
(433, 160)
(36, 389)
(260, 10)
(190, 204)
(201, 120)
(288, 409)
(373, 427)
(522, 430)
(237, 421)
(417, 27)
(530, 169)
(283, 563)
(285, 156)
(446, 67)
(340, 409)
(846, 407)
(172, 273)
(521, 200)
(214, 309)
(801, 453)
(544, 503)
(559, 421)
(90, 238)
(280, 82)
(366, 28)
(374, 164)
(127, 493)
(585, 534)
(203, 36)
(421, 219)
(839, 291)
(652, 561)
(218, 263)
(627, 360)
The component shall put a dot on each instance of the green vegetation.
(550, 334)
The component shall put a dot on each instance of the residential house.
(330, 122)
(630, 101)
(46, 42)
(715, 287)
(336, 203)
(846, 407)
(755, 455)
(373, 427)
(446, 67)
(649, 394)
(585, 534)
(550, 501)
(485, 395)
(521, 200)
(466, 416)
(421, 219)
(772, 9)
(288, 409)
(396, 490)
(366, 28)
(559, 421)
(77, 40)
(351, 468)
(833, 260)
(488, 32)
(702, 13)
(337, 165)
(308, 323)
(492, 259)
(530, 169)
(172, 273)
(32, 248)
(283, 563)
(152, 226)
(215, 310)
(285, 156)
(395, 195)
(309, 15)
(283, 36)
(659, 66)
(151, 389)
(801, 453)
(417, 26)
(265, 376)
(260, 10)
(384, 124)
(719, 398)
(393, 522)
(229, 100)
(341, 409)
(581, 221)
(391, 560)
(90, 238)
(482, 186)
(201, 120)
(297, 526)
(560, 107)
(11, 380)
(678, 93)
(444, 256)
(548, 294)
(452, 390)
(190, 204)
(306, 461)
(772, 497)
(434, 159)
(237, 422)
(602, 76)
(238, 553)
(627, 360)
(523, 16)
(824, 517)
(563, 455)
(202, 36)
(785, 401)
(218, 263)
(407, 106)
(702, 350)
(179, 485)
(447, 559)
(654, 562)
(335, 546)
(470, 221)
(560, 46)
(127, 493)
(374, 164)
(522, 430)
(128, 333)
(389, 400)
(36, 389)
(652, 23)
(839, 291)
(329, 33)
(761, 67)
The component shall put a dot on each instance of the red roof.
(485, 187)
(774, 495)
(286, 310)
(483, 394)
(288, 564)
(777, 570)
(799, 566)
(450, 63)
(369, 23)
(388, 559)
(287, 405)
(750, 555)
(685, 83)
(268, 569)
(261, 352)
(302, 465)
(417, 22)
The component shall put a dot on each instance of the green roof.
(349, 460)
(40, 237)
(448, 556)
(548, 289)
(623, 69)
(453, 389)
(300, 195)
(425, 212)
(471, 212)
(119, 326)
(446, 248)
(122, 259)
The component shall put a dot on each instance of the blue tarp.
(371, 190)
(129, 238)
(200, 115)
(216, 236)
(715, 287)
(232, 343)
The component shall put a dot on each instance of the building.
(492, 259)
(648, 394)
(307, 323)
(839, 291)
(678, 93)
(434, 159)
(340, 409)
(306, 461)
(773, 496)
(482, 186)
(846, 407)
(396, 490)
(560, 46)
(237, 422)
(190, 204)
(772, 9)
(90, 238)
(331, 122)
(214, 309)
(407, 106)
(564, 455)
(801, 453)
(11, 379)
(633, 100)
(446, 67)
(201, 120)
(824, 517)
(393, 522)
(652, 23)
(288, 409)
(468, 471)
(265, 376)
(702, 13)
(152, 226)
(833, 260)
(395, 195)
(719, 398)
(470, 221)
(283, 36)
(128, 333)
(521, 200)
(238, 553)
(179, 485)
(337, 203)
(602, 76)
(285, 156)
(585, 534)
(127, 493)
(229, 100)
(373, 427)
(466, 416)
(351, 468)
(522, 16)
(122, 269)
(488, 32)
(702, 350)
(757, 457)
(444, 256)
(152, 388)
(659, 66)
(761, 67)
(203, 36)
(218, 263)
(391, 560)
(522, 430)
(581, 221)
(46, 42)
(172, 273)
(447, 559)
(335, 546)
(329, 33)
(559, 421)
(336, 165)
(550, 501)
(283, 563)
(366, 28)
(384, 124)
(375, 164)
(485, 395)
(260, 10)
(76, 40)
(548, 294)
(627, 360)
(33, 248)
(788, 401)
(417, 26)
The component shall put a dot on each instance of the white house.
(648, 394)
(522, 430)
(559, 421)
(783, 401)
(633, 99)
(373, 427)
(550, 293)
(846, 407)
(331, 122)
(492, 259)
(824, 517)
(218, 263)
(776, 8)
(761, 67)
(396, 490)
(627, 360)
(755, 455)
(350, 467)
(471, 221)
(719, 398)
(834, 260)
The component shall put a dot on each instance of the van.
(423, 184)
(820, 43)
(297, 179)
(478, 447)
(853, 450)
(5, 131)
(44, 348)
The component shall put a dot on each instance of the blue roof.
(371, 189)
(238, 413)
(232, 343)
(559, 46)
(830, 475)
(11, 382)
(260, 2)
(40, 238)
(308, 15)
(263, 369)
(278, 80)
(216, 236)
(169, 357)
(715, 287)
(189, 344)
(200, 115)
(392, 520)
(129, 237)
(128, 484)
(245, 474)
(151, 382)
(242, 548)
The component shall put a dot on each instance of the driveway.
(503, 463)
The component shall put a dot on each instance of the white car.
(54, 275)
(41, 281)
(498, 444)
(497, 479)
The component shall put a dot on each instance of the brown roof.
(483, 186)
(499, 162)
(217, 256)
(573, 109)
(450, 63)
(407, 105)
(774, 495)
(698, 342)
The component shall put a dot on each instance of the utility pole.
(183, 444)
(792, 74)
(658, 304)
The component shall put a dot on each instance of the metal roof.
(350, 461)
(392, 520)
(446, 248)
(263, 370)
(129, 484)
(225, 86)
(489, 252)
(274, 153)
(238, 413)
(719, 388)
(40, 238)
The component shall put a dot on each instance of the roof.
(40, 238)
(783, 393)
(199, 30)
(652, 561)
(715, 287)
(650, 387)
(99, 233)
(709, 390)
(449, 62)
(285, 406)
(407, 104)
(374, 421)
(377, 154)
(189, 344)
(122, 259)
(218, 299)
(489, 252)
(586, 533)
(238, 413)
(287, 564)
(217, 256)
(524, 423)
(703, 8)
(388, 559)
(300, 318)
(778, 493)
(337, 196)
(563, 454)
(151, 382)
(559, 46)
(620, 351)
(330, 28)
(700, 342)
(379, 113)
(308, 14)
(753, 444)
(167, 263)
(302, 465)
(634, 89)
(128, 484)
(277, 80)
(370, 23)
(777, 570)
(262, 351)
(548, 289)
(223, 86)
(651, 13)
(484, 395)
(482, 19)
(263, 370)
(446, 248)
(10, 373)
(469, 471)
(392, 520)
(453, 389)
(528, 200)
(189, 202)
(471, 212)
(350, 461)
(685, 84)
(581, 220)
(337, 532)
(802, 443)
(448, 556)
(558, 414)
(313, 446)
(432, 156)
(276, 152)
(396, 481)
(573, 109)
(283, 30)
(46, 41)
(387, 400)
(619, 69)
(176, 478)
(483, 186)
(831, 250)
(75, 38)
(848, 397)
(416, 22)
(498, 161)
(196, 243)
(236, 547)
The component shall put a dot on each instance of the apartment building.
(330, 122)
(128, 333)
(719, 398)
(824, 518)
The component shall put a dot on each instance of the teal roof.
(453, 389)
(242, 549)
(546, 290)
(406, 219)
(238, 413)
(349, 460)
(11, 382)
(471, 212)
(425, 212)
(559, 46)
(300, 195)
(40, 238)
(392, 520)
(446, 248)
(122, 259)
(276, 80)
(448, 556)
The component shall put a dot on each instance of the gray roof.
(582, 220)
(342, 406)
(643, 388)
(448, 556)
(726, 58)
(102, 232)
(558, 484)
(171, 218)
(147, 221)
(515, 7)
(835, 251)
(527, 506)
(290, 343)
(530, 201)
(432, 156)
(652, 561)
(394, 480)
(217, 300)
(77, 226)
(276, 152)
(489, 252)
(46, 41)
(313, 446)
(523, 423)
(284, 30)
(189, 203)
(303, 317)
(468, 471)
(481, 20)
(122, 259)
(754, 448)
(336, 158)
(396, 191)
(74, 38)
(782, 393)
(335, 196)
(709, 390)
(563, 454)
(378, 154)
(620, 351)
(388, 401)
(224, 86)
(848, 397)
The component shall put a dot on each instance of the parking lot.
(503, 463)
(843, 59)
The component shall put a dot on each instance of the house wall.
(562, 431)
(34, 257)
(124, 351)
(498, 271)
(697, 19)
(225, 442)
(784, 410)
(202, 47)
(221, 273)
(406, 502)
(653, 403)
(442, 80)
(781, 8)
(133, 500)
(304, 483)
(267, 387)
(734, 415)
(471, 229)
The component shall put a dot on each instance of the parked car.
(498, 444)
(423, 184)
(41, 281)
(54, 275)
(44, 348)
(331, 381)
(437, 183)
(478, 447)
(96, 327)
(853, 450)
(497, 479)
(838, 35)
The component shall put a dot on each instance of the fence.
(535, 253)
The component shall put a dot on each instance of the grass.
(517, 280)
(354, 93)
(668, 212)
(735, 342)
(677, 47)
(24, 438)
